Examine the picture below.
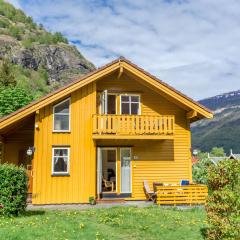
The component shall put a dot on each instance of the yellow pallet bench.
(182, 195)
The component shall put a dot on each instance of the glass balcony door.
(108, 103)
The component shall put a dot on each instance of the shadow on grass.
(204, 232)
(30, 213)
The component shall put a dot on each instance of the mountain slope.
(41, 61)
(224, 129)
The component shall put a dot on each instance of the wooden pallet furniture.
(182, 195)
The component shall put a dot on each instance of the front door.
(107, 170)
(126, 176)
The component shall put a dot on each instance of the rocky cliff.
(29, 45)
(62, 62)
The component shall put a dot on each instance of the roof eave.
(95, 75)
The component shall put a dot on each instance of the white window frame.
(68, 163)
(69, 120)
(130, 95)
(103, 102)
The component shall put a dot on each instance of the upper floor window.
(60, 160)
(130, 104)
(61, 116)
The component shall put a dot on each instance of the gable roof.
(97, 74)
(234, 156)
(215, 160)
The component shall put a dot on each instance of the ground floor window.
(60, 160)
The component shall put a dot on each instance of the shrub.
(223, 206)
(15, 32)
(13, 189)
(4, 23)
(200, 170)
(7, 77)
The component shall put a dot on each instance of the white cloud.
(192, 45)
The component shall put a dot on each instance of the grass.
(111, 223)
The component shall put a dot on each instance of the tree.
(217, 152)
(7, 77)
(58, 37)
(12, 99)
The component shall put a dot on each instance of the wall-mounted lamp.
(30, 151)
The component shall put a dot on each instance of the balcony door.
(108, 103)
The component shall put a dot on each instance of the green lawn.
(112, 223)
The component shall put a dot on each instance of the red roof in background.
(194, 160)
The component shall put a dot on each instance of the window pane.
(62, 108)
(111, 104)
(125, 98)
(135, 108)
(60, 164)
(60, 152)
(61, 122)
(125, 108)
(134, 98)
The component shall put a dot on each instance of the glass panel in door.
(111, 104)
(125, 170)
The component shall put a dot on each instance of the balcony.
(133, 127)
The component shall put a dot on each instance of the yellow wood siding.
(166, 161)
(81, 183)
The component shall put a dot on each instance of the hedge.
(13, 189)
(200, 170)
(223, 206)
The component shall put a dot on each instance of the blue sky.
(192, 45)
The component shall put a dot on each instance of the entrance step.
(115, 195)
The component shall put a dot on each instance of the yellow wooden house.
(102, 136)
